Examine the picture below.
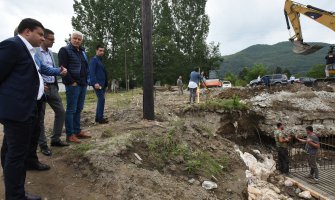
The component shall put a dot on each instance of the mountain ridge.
(272, 56)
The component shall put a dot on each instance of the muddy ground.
(184, 146)
(105, 167)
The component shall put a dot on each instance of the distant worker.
(330, 60)
(292, 79)
(114, 85)
(266, 81)
(180, 85)
(312, 146)
(98, 78)
(282, 141)
(259, 78)
(195, 78)
(203, 77)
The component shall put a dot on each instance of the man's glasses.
(50, 39)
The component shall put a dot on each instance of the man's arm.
(49, 71)
(7, 59)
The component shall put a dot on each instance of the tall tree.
(179, 35)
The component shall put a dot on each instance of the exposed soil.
(105, 167)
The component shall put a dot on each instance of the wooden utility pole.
(148, 82)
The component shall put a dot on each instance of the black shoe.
(32, 197)
(38, 166)
(103, 121)
(45, 150)
(59, 144)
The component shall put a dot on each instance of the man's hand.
(97, 86)
(46, 88)
(74, 84)
(63, 71)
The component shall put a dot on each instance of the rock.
(209, 185)
(288, 183)
(252, 196)
(213, 147)
(297, 190)
(274, 188)
(191, 181)
(179, 159)
(254, 190)
(173, 168)
(305, 195)
(229, 190)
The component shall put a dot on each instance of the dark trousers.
(100, 104)
(31, 158)
(283, 162)
(55, 102)
(18, 136)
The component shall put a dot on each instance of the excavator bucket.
(304, 48)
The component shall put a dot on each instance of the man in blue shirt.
(195, 78)
(52, 97)
(98, 79)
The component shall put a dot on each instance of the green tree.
(179, 36)
(317, 71)
(255, 71)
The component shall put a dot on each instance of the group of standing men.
(27, 82)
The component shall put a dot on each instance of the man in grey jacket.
(52, 97)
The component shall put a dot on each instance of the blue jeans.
(75, 98)
(100, 104)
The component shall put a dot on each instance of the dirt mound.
(247, 93)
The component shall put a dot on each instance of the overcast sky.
(236, 24)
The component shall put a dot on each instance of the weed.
(226, 104)
(202, 162)
(165, 147)
(107, 133)
(81, 149)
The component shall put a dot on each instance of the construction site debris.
(209, 185)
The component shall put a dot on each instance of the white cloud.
(54, 15)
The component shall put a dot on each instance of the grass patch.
(202, 162)
(81, 149)
(226, 104)
(167, 147)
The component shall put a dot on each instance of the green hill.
(272, 56)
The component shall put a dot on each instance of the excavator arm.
(292, 12)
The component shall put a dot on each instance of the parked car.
(226, 84)
(274, 79)
(308, 81)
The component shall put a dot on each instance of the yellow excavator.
(292, 11)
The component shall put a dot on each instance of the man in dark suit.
(98, 79)
(21, 86)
